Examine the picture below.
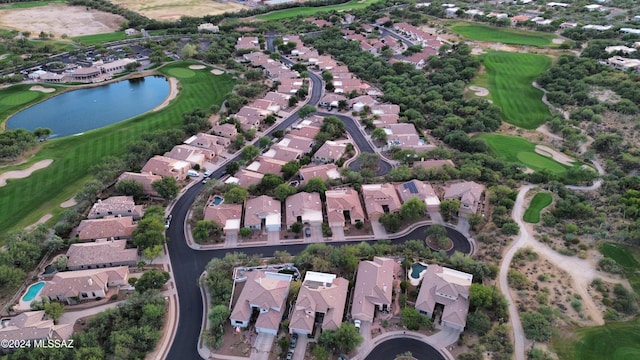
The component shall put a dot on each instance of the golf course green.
(510, 76)
(490, 33)
(24, 201)
(517, 149)
(539, 202)
(613, 341)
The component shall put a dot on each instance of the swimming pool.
(217, 200)
(33, 291)
(416, 269)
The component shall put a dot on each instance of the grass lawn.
(539, 202)
(24, 201)
(307, 11)
(509, 82)
(511, 36)
(628, 258)
(100, 38)
(517, 149)
(30, 4)
(17, 97)
(613, 341)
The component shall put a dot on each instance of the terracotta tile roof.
(71, 283)
(146, 179)
(100, 252)
(222, 213)
(306, 205)
(374, 284)
(260, 208)
(341, 200)
(447, 287)
(376, 196)
(105, 228)
(31, 325)
(116, 205)
(320, 293)
(247, 178)
(164, 166)
(469, 192)
(325, 172)
(330, 151)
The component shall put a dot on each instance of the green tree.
(130, 187)
(391, 222)
(54, 310)
(316, 185)
(290, 169)
(232, 168)
(218, 317)
(411, 318)
(536, 326)
(167, 187)
(379, 135)
(245, 232)
(249, 153)
(42, 133)
(296, 227)
(264, 142)
(89, 192)
(152, 252)
(306, 111)
(269, 182)
(236, 195)
(449, 207)
(369, 160)
(283, 191)
(205, 229)
(413, 209)
(152, 279)
(481, 296)
(478, 322)
(10, 276)
(344, 339)
(149, 233)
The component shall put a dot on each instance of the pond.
(81, 110)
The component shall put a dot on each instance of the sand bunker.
(42, 220)
(196, 67)
(42, 89)
(480, 91)
(217, 72)
(558, 41)
(19, 174)
(173, 92)
(69, 203)
(555, 155)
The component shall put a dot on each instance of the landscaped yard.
(539, 202)
(517, 149)
(613, 341)
(24, 201)
(509, 81)
(307, 11)
(489, 33)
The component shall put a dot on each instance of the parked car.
(167, 222)
(290, 354)
(357, 324)
(208, 173)
(294, 341)
(204, 181)
(307, 232)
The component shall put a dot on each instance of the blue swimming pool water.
(33, 291)
(217, 200)
(416, 269)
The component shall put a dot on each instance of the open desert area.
(60, 19)
(173, 9)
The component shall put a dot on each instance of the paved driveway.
(262, 347)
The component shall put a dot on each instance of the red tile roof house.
(32, 326)
(420, 190)
(449, 288)
(303, 207)
(250, 118)
(229, 216)
(266, 165)
(116, 206)
(385, 119)
(263, 210)
(215, 144)
(358, 103)
(225, 130)
(164, 166)
(373, 289)
(343, 206)
(100, 254)
(296, 142)
(248, 42)
(265, 293)
(145, 179)
(191, 154)
(281, 153)
(324, 172)
(246, 178)
(405, 136)
(73, 286)
(330, 152)
(320, 295)
(110, 227)
(469, 193)
(380, 199)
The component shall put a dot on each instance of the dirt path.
(42, 220)
(20, 174)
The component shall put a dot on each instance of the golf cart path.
(582, 272)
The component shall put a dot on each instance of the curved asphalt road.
(392, 348)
